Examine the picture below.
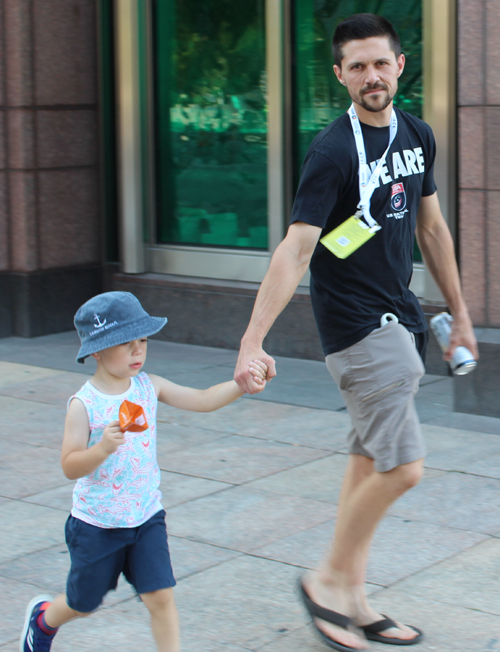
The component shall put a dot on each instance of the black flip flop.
(372, 633)
(333, 617)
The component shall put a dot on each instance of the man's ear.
(338, 71)
(97, 355)
(401, 64)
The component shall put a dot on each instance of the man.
(376, 366)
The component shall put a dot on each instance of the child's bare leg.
(164, 619)
(59, 613)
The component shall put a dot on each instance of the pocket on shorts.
(346, 366)
(394, 351)
(382, 365)
(384, 390)
(396, 372)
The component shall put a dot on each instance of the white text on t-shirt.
(404, 164)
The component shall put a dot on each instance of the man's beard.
(369, 107)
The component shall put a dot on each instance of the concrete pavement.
(251, 494)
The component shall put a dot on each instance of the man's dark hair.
(361, 26)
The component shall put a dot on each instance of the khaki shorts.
(378, 379)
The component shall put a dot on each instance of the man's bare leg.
(339, 584)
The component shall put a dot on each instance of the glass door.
(211, 123)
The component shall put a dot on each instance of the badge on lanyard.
(348, 237)
(355, 231)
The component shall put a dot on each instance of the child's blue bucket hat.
(110, 319)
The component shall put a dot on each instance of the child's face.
(123, 360)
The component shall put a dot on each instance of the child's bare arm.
(195, 400)
(203, 400)
(76, 459)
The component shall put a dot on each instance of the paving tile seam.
(494, 535)
(189, 427)
(109, 607)
(466, 431)
(24, 582)
(56, 509)
(328, 453)
(254, 554)
(276, 636)
(240, 553)
(36, 552)
(307, 568)
(171, 451)
(279, 441)
(30, 400)
(433, 598)
(201, 477)
(10, 560)
(210, 567)
(433, 381)
(304, 405)
(299, 530)
(27, 443)
(455, 604)
(475, 475)
(323, 501)
(55, 370)
(279, 493)
(186, 502)
(22, 499)
(257, 438)
(67, 510)
(300, 405)
(212, 545)
(223, 435)
(250, 551)
(438, 562)
(20, 441)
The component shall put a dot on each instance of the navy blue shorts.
(99, 556)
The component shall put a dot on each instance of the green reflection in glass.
(211, 118)
(319, 98)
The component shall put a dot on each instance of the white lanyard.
(367, 186)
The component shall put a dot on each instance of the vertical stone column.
(479, 188)
(50, 235)
(4, 232)
(479, 157)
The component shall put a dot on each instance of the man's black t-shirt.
(349, 296)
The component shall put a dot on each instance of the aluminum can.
(462, 361)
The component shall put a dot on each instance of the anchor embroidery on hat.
(102, 326)
(97, 319)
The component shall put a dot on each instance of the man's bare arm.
(288, 265)
(436, 244)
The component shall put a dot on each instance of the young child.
(117, 523)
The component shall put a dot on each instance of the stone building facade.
(52, 215)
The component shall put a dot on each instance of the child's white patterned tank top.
(124, 490)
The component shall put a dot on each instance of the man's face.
(370, 72)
